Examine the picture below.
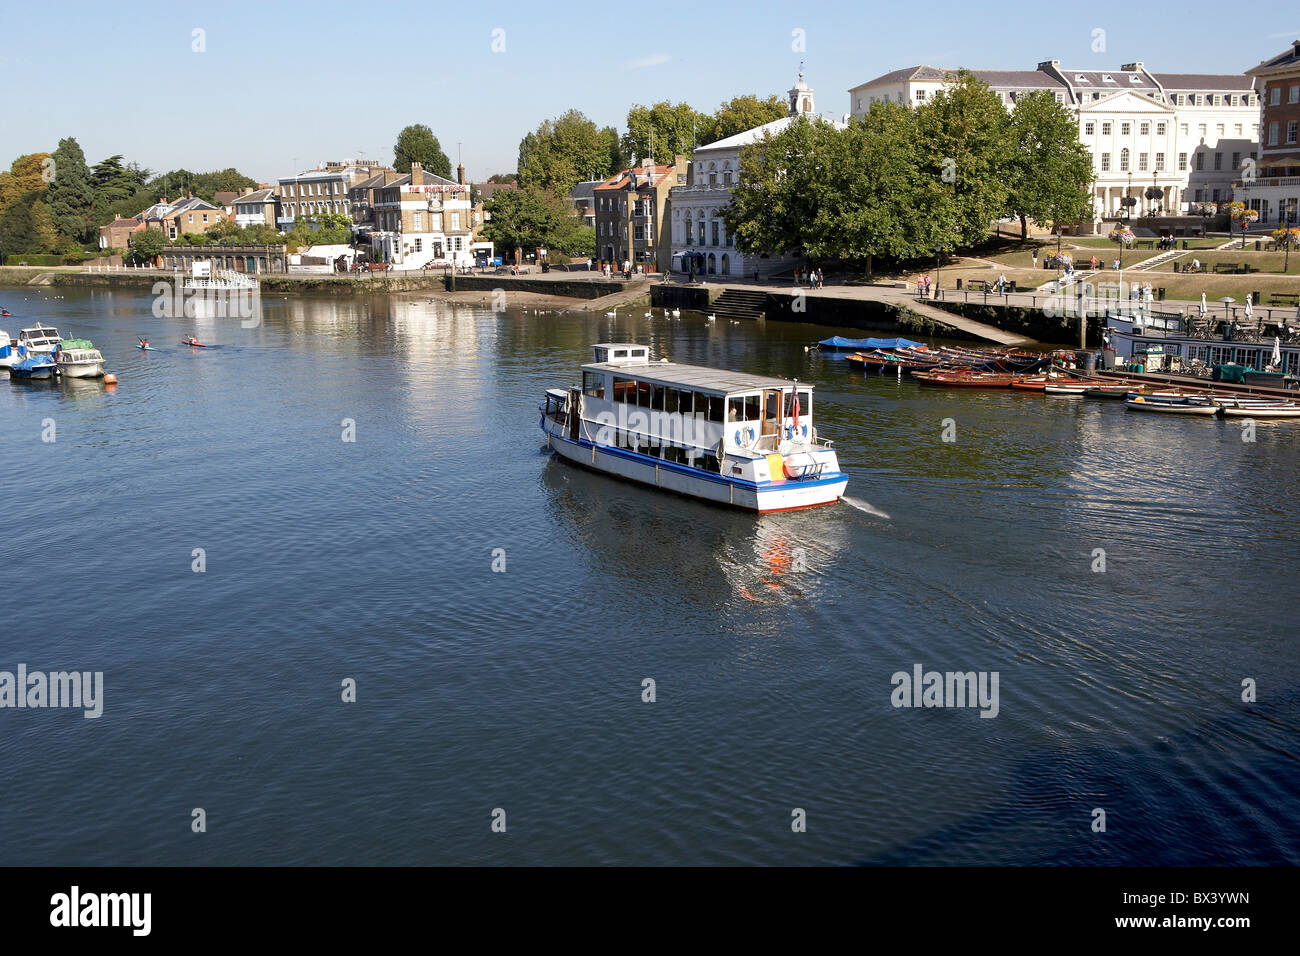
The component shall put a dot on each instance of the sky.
(274, 87)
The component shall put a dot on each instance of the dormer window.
(1135, 80)
(1080, 78)
(1107, 78)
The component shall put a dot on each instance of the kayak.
(195, 345)
(147, 348)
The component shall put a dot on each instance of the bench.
(1233, 268)
(1284, 298)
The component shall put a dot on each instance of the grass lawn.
(1269, 262)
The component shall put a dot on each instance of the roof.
(488, 190)
(623, 179)
(907, 74)
(1020, 79)
(260, 196)
(374, 182)
(695, 376)
(225, 198)
(751, 136)
(121, 223)
(1284, 60)
(584, 190)
(1205, 81)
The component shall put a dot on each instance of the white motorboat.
(727, 437)
(78, 358)
(39, 338)
(1260, 409)
(10, 353)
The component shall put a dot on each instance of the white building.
(696, 209)
(421, 218)
(1183, 134)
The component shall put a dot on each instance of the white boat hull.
(82, 370)
(708, 486)
(1170, 408)
(1262, 411)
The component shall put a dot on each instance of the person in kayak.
(144, 343)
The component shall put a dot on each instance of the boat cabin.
(689, 413)
(39, 338)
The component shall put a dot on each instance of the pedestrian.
(1115, 265)
(1035, 254)
(796, 275)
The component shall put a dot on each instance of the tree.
(26, 226)
(27, 174)
(565, 151)
(663, 131)
(1286, 237)
(529, 218)
(739, 114)
(503, 178)
(71, 195)
(966, 132)
(147, 245)
(1050, 171)
(417, 144)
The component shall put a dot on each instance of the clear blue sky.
(330, 80)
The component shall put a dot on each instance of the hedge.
(33, 259)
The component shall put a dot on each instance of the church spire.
(801, 97)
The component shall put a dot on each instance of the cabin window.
(753, 407)
(643, 394)
(773, 409)
(624, 390)
(593, 384)
(602, 355)
(638, 353)
(735, 409)
(805, 402)
(709, 462)
(672, 401)
(657, 397)
(620, 353)
(716, 404)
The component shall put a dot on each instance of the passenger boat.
(78, 358)
(1189, 405)
(728, 437)
(965, 379)
(39, 338)
(35, 366)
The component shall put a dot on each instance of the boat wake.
(864, 506)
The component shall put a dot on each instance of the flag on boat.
(795, 411)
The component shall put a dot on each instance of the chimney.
(417, 174)
(1295, 47)
(247, 190)
(460, 174)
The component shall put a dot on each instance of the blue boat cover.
(839, 342)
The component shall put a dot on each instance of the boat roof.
(695, 376)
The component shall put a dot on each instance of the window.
(1160, 129)
(1290, 131)
(1236, 129)
(1178, 99)
(417, 222)
(726, 178)
(1105, 162)
(1293, 94)
(1060, 97)
(593, 384)
(714, 227)
(1182, 128)
(205, 217)
(460, 240)
(455, 222)
(418, 242)
(191, 217)
(714, 403)
(920, 96)
(1142, 162)
(1107, 78)
(1236, 160)
(1218, 160)
(1105, 128)
(1275, 96)
(1123, 160)
(1160, 162)
(1145, 129)
(1201, 128)
(435, 222)
(859, 102)
(1272, 134)
(1135, 79)
(1089, 128)
(1218, 130)
(1125, 129)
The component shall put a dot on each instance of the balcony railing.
(1267, 181)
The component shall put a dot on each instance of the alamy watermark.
(38, 689)
(922, 688)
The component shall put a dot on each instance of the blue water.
(522, 690)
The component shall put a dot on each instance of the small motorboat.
(1260, 409)
(39, 338)
(1189, 405)
(10, 353)
(38, 365)
(78, 358)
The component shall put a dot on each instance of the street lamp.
(1128, 198)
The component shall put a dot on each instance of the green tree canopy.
(417, 144)
(71, 195)
(147, 244)
(24, 176)
(965, 132)
(1050, 171)
(739, 114)
(27, 227)
(528, 218)
(663, 130)
(567, 150)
